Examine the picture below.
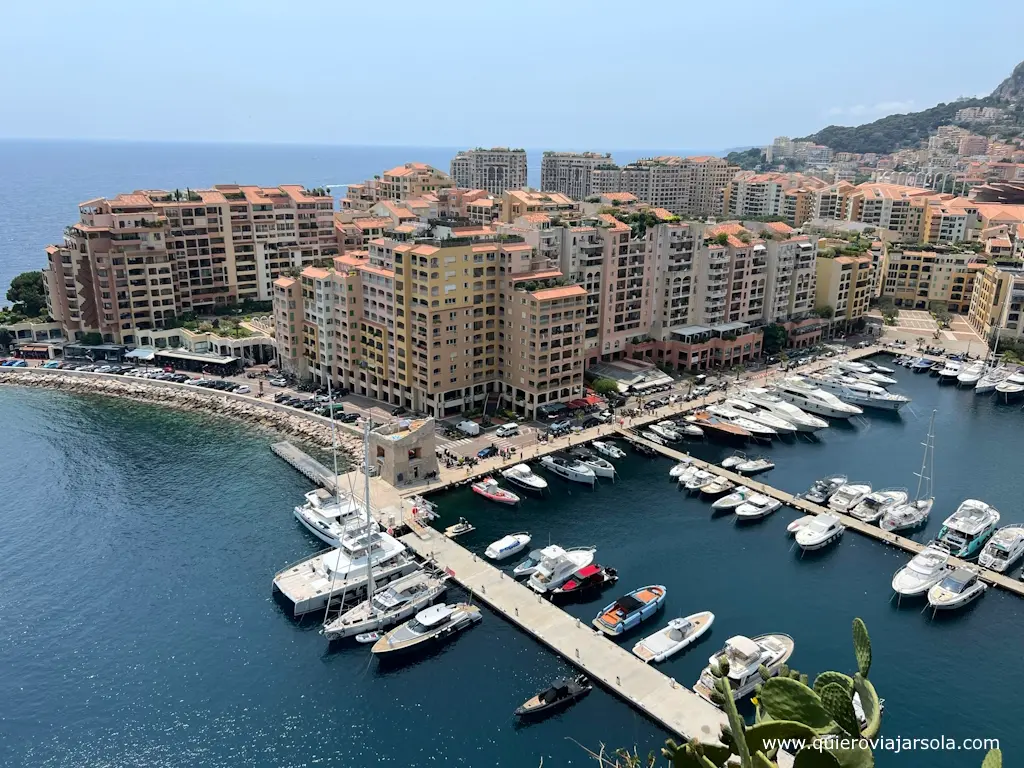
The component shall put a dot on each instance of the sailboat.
(915, 513)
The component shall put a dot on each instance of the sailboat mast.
(366, 502)
(334, 442)
(928, 445)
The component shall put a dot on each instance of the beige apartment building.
(494, 170)
(520, 202)
(997, 301)
(137, 260)
(570, 173)
(788, 195)
(844, 283)
(915, 279)
(403, 182)
(692, 186)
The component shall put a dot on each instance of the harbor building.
(403, 451)
(137, 261)
(494, 170)
(917, 279)
(571, 173)
(844, 284)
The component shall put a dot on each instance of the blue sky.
(557, 73)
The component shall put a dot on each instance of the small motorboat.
(1004, 548)
(729, 462)
(971, 375)
(631, 609)
(369, 637)
(669, 641)
(926, 569)
(876, 367)
(608, 449)
(569, 468)
(755, 466)
(679, 468)
(524, 477)
(823, 489)
(507, 546)
(949, 372)
(601, 467)
(799, 523)
(848, 496)
(561, 693)
(820, 532)
(874, 505)
(665, 434)
(525, 568)
(590, 578)
(734, 499)
(957, 589)
(920, 365)
(643, 448)
(461, 527)
(718, 486)
(652, 437)
(756, 507)
(699, 479)
(489, 489)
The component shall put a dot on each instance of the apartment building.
(137, 260)
(403, 182)
(520, 202)
(789, 195)
(692, 186)
(915, 279)
(844, 283)
(832, 201)
(997, 301)
(494, 170)
(570, 173)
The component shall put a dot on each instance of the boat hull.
(470, 615)
(941, 600)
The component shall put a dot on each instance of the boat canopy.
(588, 570)
(628, 604)
(435, 614)
(743, 648)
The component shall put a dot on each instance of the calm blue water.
(137, 547)
(44, 181)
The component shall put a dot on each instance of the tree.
(6, 339)
(775, 338)
(26, 292)
(825, 311)
(722, 238)
(605, 386)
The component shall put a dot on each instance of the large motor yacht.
(771, 403)
(967, 529)
(429, 626)
(804, 394)
(746, 655)
(557, 565)
(761, 416)
(398, 601)
(327, 516)
(859, 393)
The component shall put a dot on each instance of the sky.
(560, 74)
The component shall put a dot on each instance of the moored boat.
(670, 640)
(957, 588)
(746, 656)
(926, 569)
(756, 507)
(608, 449)
(877, 503)
(524, 477)
(430, 626)
(396, 602)
(967, 529)
(819, 533)
(506, 546)
(761, 416)
(587, 580)
(1004, 548)
(680, 467)
(707, 421)
(734, 499)
(569, 468)
(799, 523)
(461, 527)
(911, 514)
(731, 461)
(772, 403)
(718, 486)
(557, 566)
(732, 416)
(489, 489)
(848, 496)
(525, 568)
(698, 479)
(804, 394)
(755, 466)
(600, 467)
(561, 693)
(822, 490)
(630, 609)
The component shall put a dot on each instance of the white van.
(470, 428)
(507, 430)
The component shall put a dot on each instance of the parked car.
(507, 430)
(470, 428)
(280, 397)
(486, 453)
(243, 389)
(278, 382)
(18, 364)
(348, 418)
(400, 410)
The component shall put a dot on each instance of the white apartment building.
(571, 172)
(495, 170)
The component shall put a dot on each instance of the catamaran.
(914, 513)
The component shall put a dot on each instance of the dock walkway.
(305, 464)
(866, 529)
(668, 702)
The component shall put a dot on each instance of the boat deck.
(803, 505)
(666, 701)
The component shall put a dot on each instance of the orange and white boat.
(629, 610)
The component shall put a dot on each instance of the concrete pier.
(802, 505)
(668, 702)
(305, 464)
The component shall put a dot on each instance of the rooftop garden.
(539, 285)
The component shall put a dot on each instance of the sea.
(137, 627)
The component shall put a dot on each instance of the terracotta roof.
(549, 294)
(285, 282)
(779, 226)
(316, 272)
(518, 277)
(622, 197)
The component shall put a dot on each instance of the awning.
(34, 347)
(142, 353)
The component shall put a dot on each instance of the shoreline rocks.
(299, 424)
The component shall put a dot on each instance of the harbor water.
(137, 627)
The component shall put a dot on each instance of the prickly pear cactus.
(994, 759)
(862, 647)
(833, 677)
(839, 703)
(759, 735)
(808, 757)
(785, 699)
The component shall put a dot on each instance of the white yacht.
(848, 496)
(646, 434)
(507, 546)
(525, 568)
(718, 486)
(911, 514)
(679, 633)
(1011, 387)
(734, 499)
(819, 532)
(569, 468)
(803, 394)
(327, 516)
(862, 373)
(309, 585)
(971, 375)
(959, 587)
(746, 655)
(769, 402)
(876, 367)
(1004, 548)
(524, 477)
(398, 601)
(756, 507)
(699, 479)
(755, 466)
(822, 490)
(991, 378)
(601, 467)
(431, 624)
(925, 570)
(732, 416)
(680, 467)
(557, 564)
(731, 461)
(668, 434)
(949, 371)
(860, 394)
(761, 416)
(608, 449)
(967, 529)
(876, 504)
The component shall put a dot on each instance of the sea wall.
(300, 424)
